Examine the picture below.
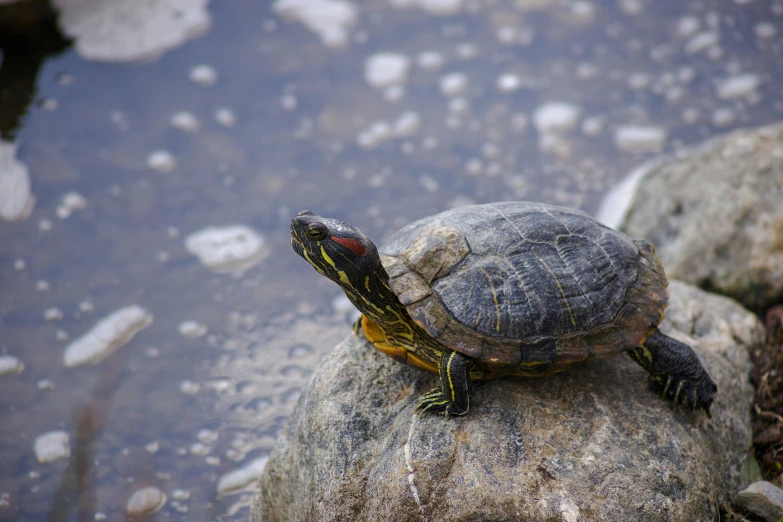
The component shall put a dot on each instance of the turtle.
(505, 289)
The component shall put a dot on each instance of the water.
(541, 100)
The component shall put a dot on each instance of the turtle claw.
(681, 391)
(433, 401)
(436, 402)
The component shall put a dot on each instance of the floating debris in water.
(442, 7)
(738, 86)
(453, 84)
(162, 161)
(634, 138)
(331, 20)
(723, 117)
(186, 122)
(52, 446)
(129, 30)
(53, 314)
(107, 335)
(288, 101)
(189, 387)
(71, 201)
(593, 125)
(145, 501)
(207, 436)
(45, 225)
(225, 117)
(375, 134)
(688, 26)
(556, 117)
(702, 42)
(238, 479)
(10, 365)
(199, 449)
(16, 200)
(383, 70)
(407, 124)
(225, 249)
(205, 75)
(509, 82)
(430, 60)
(765, 30)
(192, 329)
(180, 494)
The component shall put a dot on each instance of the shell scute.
(410, 288)
(430, 315)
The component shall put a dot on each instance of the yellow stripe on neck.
(343, 275)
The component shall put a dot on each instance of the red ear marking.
(357, 247)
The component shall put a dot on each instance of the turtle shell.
(526, 288)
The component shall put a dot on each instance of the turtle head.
(335, 249)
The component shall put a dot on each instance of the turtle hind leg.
(675, 372)
(451, 397)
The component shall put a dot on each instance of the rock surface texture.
(715, 216)
(588, 444)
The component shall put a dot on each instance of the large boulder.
(588, 444)
(715, 214)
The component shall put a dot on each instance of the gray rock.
(588, 444)
(764, 499)
(715, 214)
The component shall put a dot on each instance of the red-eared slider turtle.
(511, 288)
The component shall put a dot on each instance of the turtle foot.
(682, 390)
(357, 326)
(436, 402)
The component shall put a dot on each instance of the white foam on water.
(225, 249)
(383, 70)
(331, 20)
(145, 501)
(239, 478)
(129, 30)
(10, 365)
(738, 86)
(639, 139)
(16, 199)
(556, 117)
(51, 446)
(106, 336)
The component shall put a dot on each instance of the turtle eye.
(316, 232)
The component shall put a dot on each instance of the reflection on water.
(396, 112)
(26, 40)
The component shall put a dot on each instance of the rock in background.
(591, 443)
(715, 215)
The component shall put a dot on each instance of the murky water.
(421, 109)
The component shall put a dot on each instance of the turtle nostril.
(299, 221)
(305, 213)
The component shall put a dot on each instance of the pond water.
(376, 112)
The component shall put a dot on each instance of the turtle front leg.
(357, 326)
(675, 372)
(451, 397)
